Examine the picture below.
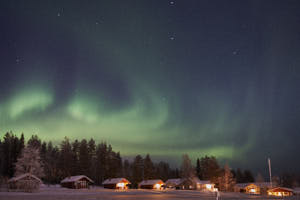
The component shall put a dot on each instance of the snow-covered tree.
(226, 181)
(187, 170)
(30, 162)
(259, 178)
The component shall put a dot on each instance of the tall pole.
(270, 172)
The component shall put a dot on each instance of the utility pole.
(270, 172)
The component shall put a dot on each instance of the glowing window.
(252, 190)
(157, 186)
(208, 186)
(120, 185)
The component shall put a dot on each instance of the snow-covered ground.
(98, 193)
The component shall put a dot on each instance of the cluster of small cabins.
(82, 181)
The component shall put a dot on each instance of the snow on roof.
(259, 184)
(278, 189)
(204, 182)
(115, 181)
(151, 182)
(23, 176)
(75, 178)
(178, 181)
(198, 181)
(174, 181)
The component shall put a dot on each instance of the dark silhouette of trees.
(99, 161)
(10, 149)
(209, 168)
(137, 170)
(149, 172)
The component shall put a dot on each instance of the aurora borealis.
(161, 77)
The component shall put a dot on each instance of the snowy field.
(98, 193)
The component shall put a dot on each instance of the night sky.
(162, 77)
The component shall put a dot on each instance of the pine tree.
(137, 170)
(51, 166)
(239, 176)
(210, 169)
(248, 177)
(92, 158)
(198, 169)
(148, 168)
(101, 162)
(127, 170)
(11, 148)
(66, 158)
(75, 157)
(29, 162)
(84, 161)
(34, 142)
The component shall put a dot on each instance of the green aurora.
(197, 77)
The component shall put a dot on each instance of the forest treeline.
(99, 161)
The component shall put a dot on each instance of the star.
(172, 2)
(235, 52)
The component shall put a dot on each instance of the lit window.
(252, 190)
(157, 186)
(208, 186)
(120, 185)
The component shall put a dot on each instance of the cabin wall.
(82, 183)
(147, 186)
(110, 186)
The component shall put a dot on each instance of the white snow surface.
(55, 192)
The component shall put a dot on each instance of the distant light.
(157, 186)
(121, 185)
(172, 2)
(208, 186)
(252, 190)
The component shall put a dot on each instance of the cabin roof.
(23, 176)
(258, 184)
(151, 182)
(198, 181)
(178, 181)
(115, 181)
(75, 178)
(175, 181)
(280, 189)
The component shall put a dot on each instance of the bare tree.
(259, 178)
(226, 181)
(187, 170)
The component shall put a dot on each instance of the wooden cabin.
(76, 182)
(253, 188)
(280, 192)
(25, 183)
(116, 183)
(205, 186)
(191, 184)
(174, 183)
(151, 184)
